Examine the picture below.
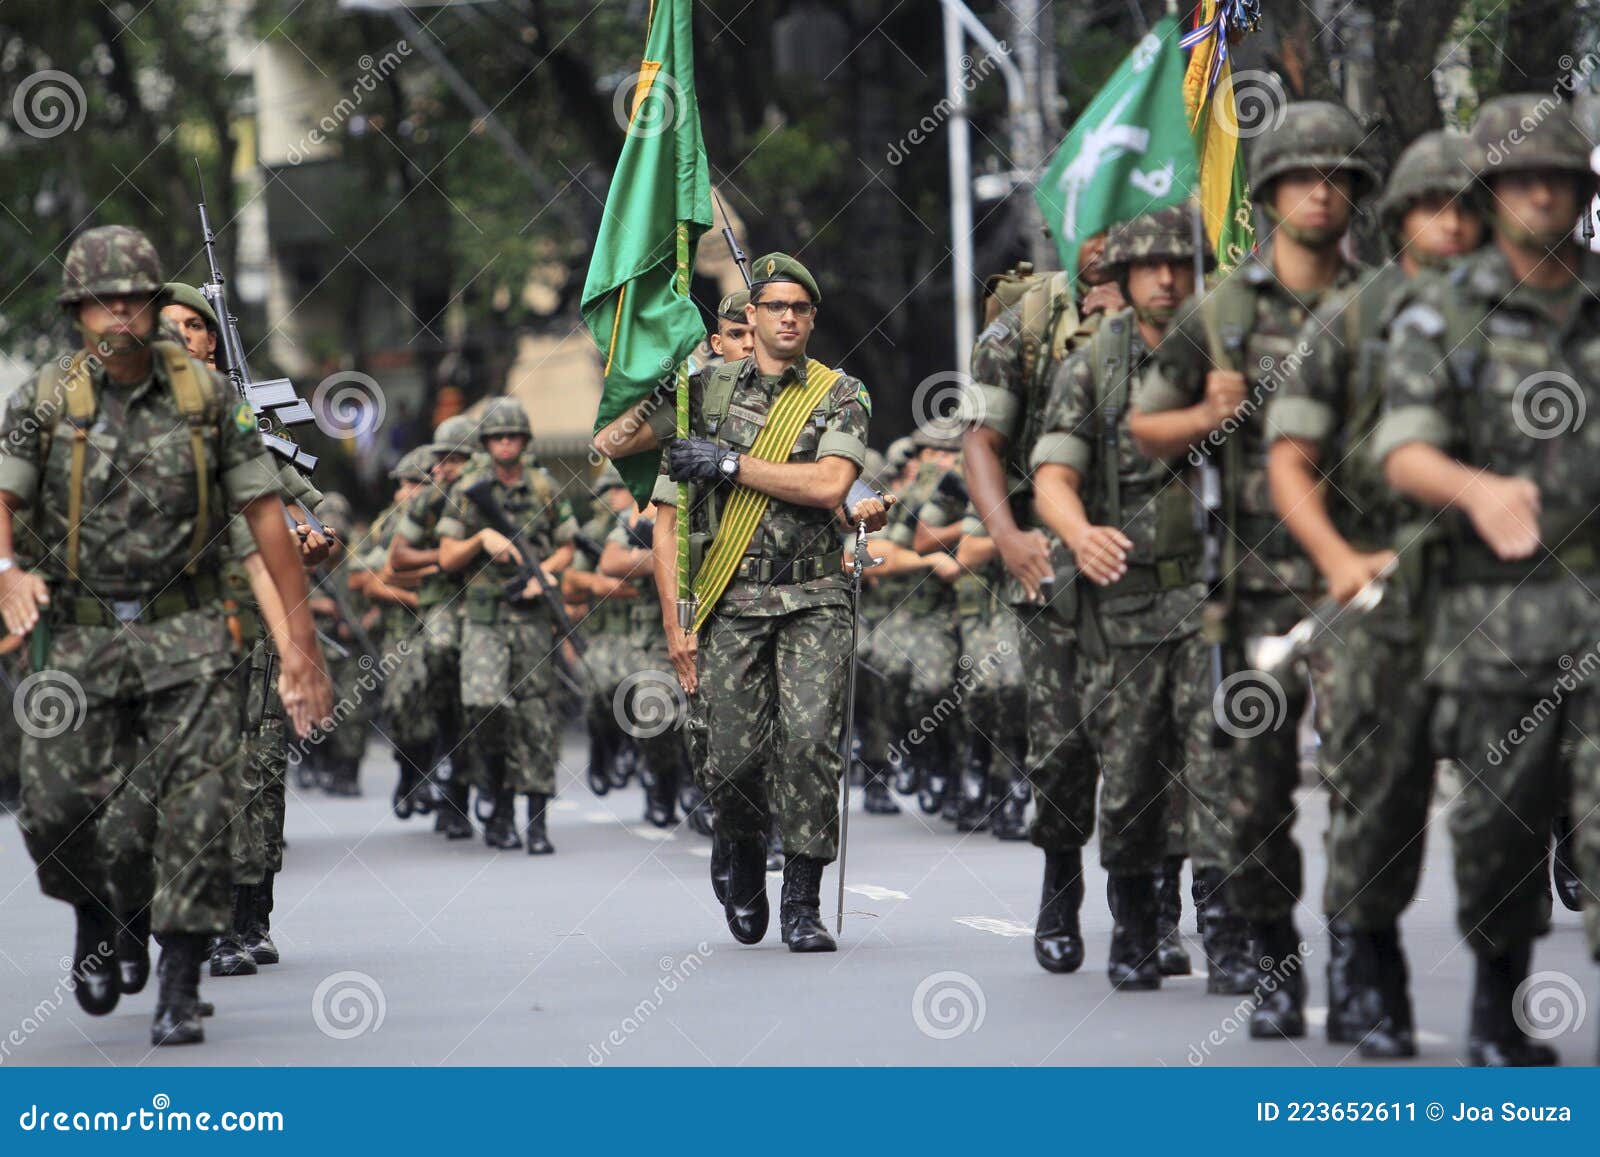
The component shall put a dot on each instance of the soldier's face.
(505, 449)
(1314, 202)
(1440, 226)
(449, 468)
(733, 340)
(1536, 208)
(123, 316)
(619, 499)
(1157, 287)
(405, 491)
(779, 328)
(1090, 271)
(197, 336)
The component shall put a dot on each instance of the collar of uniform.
(791, 373)
(103, 382)
(1487, 276)
(1258, 269)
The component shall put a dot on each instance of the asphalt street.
(402, 949)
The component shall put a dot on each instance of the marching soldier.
(1372, 706)
(128, 457)
(508, 644)
(1220, 363)
(1128, 521)
(1489, 371)
(777, 440)
(338, 754)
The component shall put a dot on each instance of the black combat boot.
(877, 799)
(538, 839)
(1171, 956)
(1563, 866)
(94, 961)
(501, 830)
(907, 775)
(746, 907)
(972, 806)
(774, 845)
(602, 750)
(133, 952)
(455, 821)
(1011, 820)
(661, 800)
(1384, 994)
(177, 1020)
(1495, 1040)
(256, 936)
(1057, 941)
(624, 762)
(229, 956)
(1280, 1011)
(1352, 997)
(1133, 965)
(1224, 935)
(696, 807)
(721, 861)
(410, 789)
(933, 778)
(800, 910)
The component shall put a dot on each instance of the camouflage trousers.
(880, 697)
(441, 696)
(1163, 788)
(255, 833)
(924, 648)
(1061, 761)
(408, 717)
(1516, 774)
(356, 694)
(607, 664)
(129, 779)
(508, 684)
(773, 689)
(1373, 716)
(996, 705)
(656, 711)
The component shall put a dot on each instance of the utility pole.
(1032, 41)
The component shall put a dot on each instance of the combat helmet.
(1313, 134)
(457, 434)
(109, 261)
(610, 479)
(415, 465)
(1165, 234)
(1530, 132)
(1436, 163)
(504, 416)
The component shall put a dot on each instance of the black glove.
(694, 460)
(643, 533)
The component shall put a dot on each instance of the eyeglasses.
(779, 308)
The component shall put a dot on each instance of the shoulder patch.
(864, 398)
(243, 417)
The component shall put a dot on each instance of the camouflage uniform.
(337, 751)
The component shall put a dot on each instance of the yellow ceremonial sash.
(743, 512)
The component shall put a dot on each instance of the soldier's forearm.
(821, 484)
(664, 555)
(986, 480)
(1056, 498)
(1426, 473)
(933, 538)
(1297, 495)
(281, 557)
(1169, 433)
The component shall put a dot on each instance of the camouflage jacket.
(1500, 376)
(418, 527)
(1161, 595)
(786, 532)
(1265, 345)
(533, 503)
(140, 501)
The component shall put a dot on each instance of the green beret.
(732, 307)
(177, 293)
(782, 267)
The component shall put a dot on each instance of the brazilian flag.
(636, 296)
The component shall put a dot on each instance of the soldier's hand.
(1026, 554)
(873, 511)
(694, 460)
(1224, 395)
(22, 593)
(314, 547)
(532, 590)
(498, 547)
(306, 693)
(1102, 554)
(682, 647)
(1505, 513)
(947, 568)
(1347, 577)
(1105, 298)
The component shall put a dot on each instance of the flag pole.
(686, 599)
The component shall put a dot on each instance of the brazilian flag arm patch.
(244, 418)
(864, 398)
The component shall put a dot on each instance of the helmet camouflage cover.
(1313, 134)
(109, 261)
(504, 416)
(1436, 163)
(457, 434)
(1528, 132)
(1166, 234)
(415, 465)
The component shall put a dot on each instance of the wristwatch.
(6, 564)
(729, 465)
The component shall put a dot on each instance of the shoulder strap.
(192, 390)
(1112, 349)
(1227, 312)
(74, 385)
(718, 395)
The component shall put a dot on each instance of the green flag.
(636, 296)
(1129, 153)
